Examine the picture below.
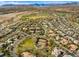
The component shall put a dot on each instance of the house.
(27, 54)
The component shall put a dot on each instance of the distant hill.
(72, 3)
(41, 4)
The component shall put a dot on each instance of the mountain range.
(38, 3)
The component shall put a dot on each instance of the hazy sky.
(33, 1)
(39, 0)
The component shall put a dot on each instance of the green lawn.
(26, 45)
(35, 16)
